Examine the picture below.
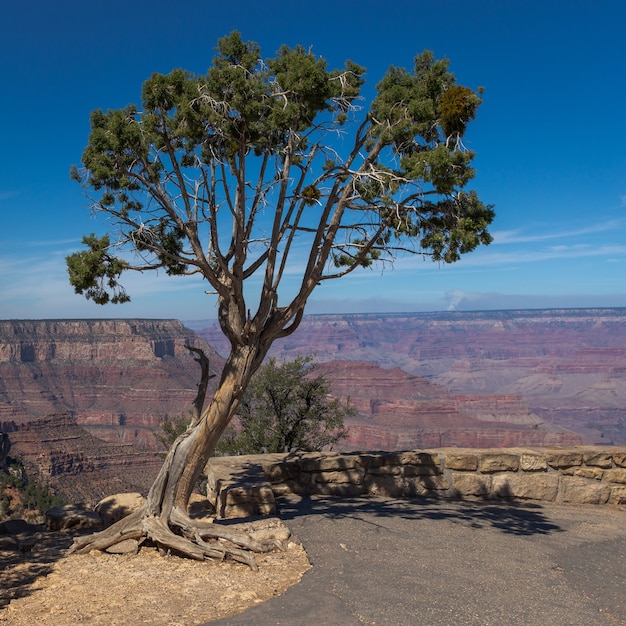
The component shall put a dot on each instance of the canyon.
(117, 377)
(564, 370)
(80, 400)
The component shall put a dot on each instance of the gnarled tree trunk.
(163, 520)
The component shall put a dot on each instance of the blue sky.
(550, 139)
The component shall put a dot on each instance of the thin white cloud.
(7, 195)
(43, 243)
(516, 236)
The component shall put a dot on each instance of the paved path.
(399, 562)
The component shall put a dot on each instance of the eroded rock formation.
(568, 365)
(77, 465)
(399, 411)
(117, 378)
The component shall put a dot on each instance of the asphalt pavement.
(405, 562)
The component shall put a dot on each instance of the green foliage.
(221, 175)
(456, 108)
(287, 408)
(94, 272)
(34, 496)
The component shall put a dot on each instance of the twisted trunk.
(163, 520)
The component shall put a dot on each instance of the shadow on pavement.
(510, 517)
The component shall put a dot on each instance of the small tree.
(286, 408)
(258, 169)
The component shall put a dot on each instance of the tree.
(231, 175)
(286, 408)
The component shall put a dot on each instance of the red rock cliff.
(118, 378)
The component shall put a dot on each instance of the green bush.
(34, 495)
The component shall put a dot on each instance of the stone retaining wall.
(245, 486)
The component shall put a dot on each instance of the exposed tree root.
(163, 521)
(196, 540)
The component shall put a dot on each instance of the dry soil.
(46, 587)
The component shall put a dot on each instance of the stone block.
(594, 473)
(387, 486)
(526, 486)
(467, 484)
(327, 462)
(619, 458)
(378, 459)
(598, 458)
(340, 490)
(309, 462)
(416, 488)
(425, 484)
(280, 472)
(220, 470)
(618, 496)
(235, 501)
(419, 458)
(354, 477)
(498, 462)
(576, 490)
(615, 475)
(288, 487)
(304, 478)
(336, 462)
(422, 470)
(386, 470)
(561, 459)
(462, 461)
(530, 462)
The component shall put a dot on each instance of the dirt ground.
(44, 587)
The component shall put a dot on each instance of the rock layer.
(568, 365)
(77, 465)
(398, 411)
(117, 378)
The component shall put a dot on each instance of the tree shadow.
(509, 517)
(27, 557)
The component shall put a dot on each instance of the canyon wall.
(478, 380)
(568, 366)
(116, 378)
(77, 465)
(400, 411)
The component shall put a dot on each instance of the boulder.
(17, 535)
(15, 527)
(113, 508)
(72, 517)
